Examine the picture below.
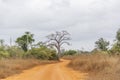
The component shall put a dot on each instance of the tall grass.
(13, 59)
(100, 67)
(12, 66)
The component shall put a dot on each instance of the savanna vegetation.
(102, 63)
(27, 53)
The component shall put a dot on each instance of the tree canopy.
(102, 44)
(25, 40)
(58, 39)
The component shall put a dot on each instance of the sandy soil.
(56, 71)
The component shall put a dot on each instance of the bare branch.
(65, 43)
(58, 39)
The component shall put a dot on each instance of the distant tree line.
(103, 45)
(50, 49)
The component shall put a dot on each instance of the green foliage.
(3, 52)
(1, 42)
(100, 52)
(70, 52)
(15, 52)
(118, 35)
(42, 53)
(115, 49)
(25, 40)
(2, 48)
(102, 44)
(116, 46)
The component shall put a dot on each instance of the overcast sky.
(85, 20)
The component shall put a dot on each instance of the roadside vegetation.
(103, 63)
(10, 67)
(99, 66)
(26, 53)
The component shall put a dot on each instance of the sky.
(85, 20)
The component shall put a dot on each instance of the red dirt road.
(56, 71)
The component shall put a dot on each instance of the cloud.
(86, 20)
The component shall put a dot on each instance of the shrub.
(53, 56)
(4, 54)
(15, 52)
(70, 52)
(37, 53)
(42, 53)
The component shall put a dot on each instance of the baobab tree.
(57, 40)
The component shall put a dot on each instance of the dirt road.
(56, 71)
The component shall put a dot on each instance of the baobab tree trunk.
(59, 53)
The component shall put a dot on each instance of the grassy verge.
(12, 66)
(69, 57)
(99, 67)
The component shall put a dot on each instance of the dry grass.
(12, 66)
(99, 67)
(69, 57)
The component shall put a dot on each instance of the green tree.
(102, 44)
(1, 42)
(116, 46)
(58, 39)
(2, 46)
(118, 39)
(25, 41)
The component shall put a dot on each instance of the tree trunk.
(59, 52)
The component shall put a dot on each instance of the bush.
(53, 56)
(70, 52)
(4, 54)
(100, 52)
(15, 52)
(42, 53)
(37, 53)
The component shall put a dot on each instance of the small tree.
(1, 42)
(2, 46)
(102, 44)
(116, 46)
(58, 39)
(25, 40)
(118, 39)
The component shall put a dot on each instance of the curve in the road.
(56, 71)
